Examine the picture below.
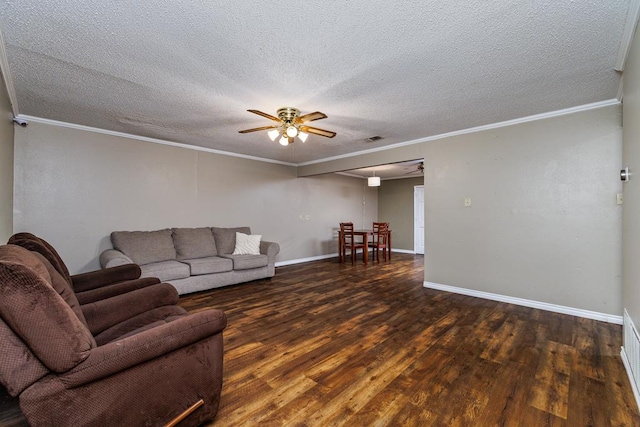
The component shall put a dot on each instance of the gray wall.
(74, 187)
(631, 221)
(543, 225)
(6, 166)
(395, 205)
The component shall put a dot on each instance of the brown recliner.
(145, 362)
(94, 285)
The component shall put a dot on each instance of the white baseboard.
(403, 251)
(609, 318)
(319, 257)
(301, 260)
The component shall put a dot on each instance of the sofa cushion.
(26, 257)
(145, 247)
(63, 289)
(36, 244)
(246, 262)
(33, 309)
(208, 265)
(142, 322)
(165, 270)
(226, 238)
(194, 242)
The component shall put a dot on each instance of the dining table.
(364, 233)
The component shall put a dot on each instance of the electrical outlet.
(467, 202)
(619, 198)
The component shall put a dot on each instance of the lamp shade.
(373, 181)
(273, 134)
(284, 141)
(292, 131)
(303, 136)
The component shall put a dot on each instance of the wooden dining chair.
(376, 225)
(380, 240)
(348, 240)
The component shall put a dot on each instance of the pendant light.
(373, 181)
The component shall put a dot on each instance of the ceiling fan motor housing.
(288, 114)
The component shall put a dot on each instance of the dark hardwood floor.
(325, 344)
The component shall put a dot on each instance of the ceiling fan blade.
(257, 129)
(311, 117)
(317, 131)
(268, 116)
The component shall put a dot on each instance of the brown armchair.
(155, 363)
(94, 285)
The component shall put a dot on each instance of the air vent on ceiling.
(372, 138)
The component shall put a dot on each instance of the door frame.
(415, 216)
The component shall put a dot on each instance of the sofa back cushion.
(37, 314)
(193, 243)
(63, 289)
(144, 247)
(36, 244)
(226, 238)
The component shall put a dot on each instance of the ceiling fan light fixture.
(292, 131)
(290, 124)
(273, 134)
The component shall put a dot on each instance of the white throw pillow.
(247, 244)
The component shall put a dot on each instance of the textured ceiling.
(188, 71)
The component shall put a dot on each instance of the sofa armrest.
(147, 345)
(96, 279)
(270, 249)
(103, 314)
(109, 291)
(113, 258)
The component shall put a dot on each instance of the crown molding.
(620, 94)
(542, 116)
(147, 139)
(627, 35)
(352, 175)
(6, 76)
(497, 125)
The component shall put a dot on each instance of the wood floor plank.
(588, 360)
(550, 392)
(585, 393)
(501, 344)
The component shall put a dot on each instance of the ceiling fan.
(419, 168)
(291, 124)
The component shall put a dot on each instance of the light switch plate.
(467, 202)
(619, 198)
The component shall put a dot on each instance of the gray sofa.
(191, 259)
